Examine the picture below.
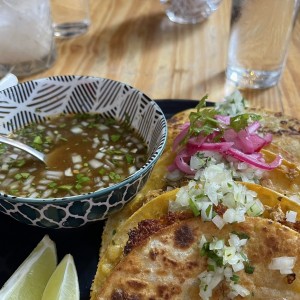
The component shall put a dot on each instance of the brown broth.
(85, 153)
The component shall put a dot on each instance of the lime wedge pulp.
(31, 277)
(63, 284)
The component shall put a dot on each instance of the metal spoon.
(7, 81)
(37, 154)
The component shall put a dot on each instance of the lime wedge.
(31, 277)
(63, 284)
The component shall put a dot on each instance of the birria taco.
(234, 201)
(285, 178)
(215, 169)
(184, 257)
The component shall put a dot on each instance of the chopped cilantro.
(66, 187)
(38, 140)
(22, 175)
(194, 208)
(114, 176)
(235, 278)
(240, 122)
(241, 235)
(115, 137)
(129, 158)
(249, 269)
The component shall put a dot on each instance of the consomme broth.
(86, 152)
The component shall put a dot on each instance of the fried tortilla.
(163, 261)
(276, 207)
(285, 179)
(285, 131)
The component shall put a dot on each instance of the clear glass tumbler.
(71, 17)
(26, 37)
(258, 44)
(190, 11)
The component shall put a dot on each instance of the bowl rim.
(148, 165)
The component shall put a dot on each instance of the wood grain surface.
(134, 42)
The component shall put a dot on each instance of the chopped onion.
(99, 155)
(284, 264)
(76, 159)
(132, 170)
(218, 221)
(291, 216)
(68, 172)
(76, 130)
(95, 163)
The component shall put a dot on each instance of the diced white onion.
(53, 174)
(47, 193)
(41, 187)
(99, 155)
(105, 137)
(284, 264)
(76, 130)
(94, 163)
(34, 195)
(291, 216)
(175, 175)
(76, 159)
(218, 221)
(132, 170)
(68, 172)
(5, 167)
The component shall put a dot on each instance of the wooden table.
(134, 42)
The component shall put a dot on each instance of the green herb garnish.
(115, 137)
(235, 278)
(240, 122)
(114, 177)
(241, 235)
(249, 269)
(194, 208)
(38, 140)
(129, 158)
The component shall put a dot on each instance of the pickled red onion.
(243, 145)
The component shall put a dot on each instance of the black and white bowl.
(36, 100)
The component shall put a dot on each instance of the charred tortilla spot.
(138, 285)
(184, 237)
(169, 262)
(119, 294)
(147, 227)
(153, 254)
(295, 226)
(272, 243)
(291, 278)
(167, 291)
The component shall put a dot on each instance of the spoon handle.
(26, 148)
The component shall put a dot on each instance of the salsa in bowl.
(101, 137)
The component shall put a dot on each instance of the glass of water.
(71, 18)
(26, 37)
(190, 11)
(258, 44)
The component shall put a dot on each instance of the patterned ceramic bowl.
(36, 100)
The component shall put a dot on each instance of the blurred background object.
(71, 17)
(190, 11)
(26, 37)
(259, 39)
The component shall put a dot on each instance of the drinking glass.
(71, 17)
(26, 37)
(190, 11)
(259, 38)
